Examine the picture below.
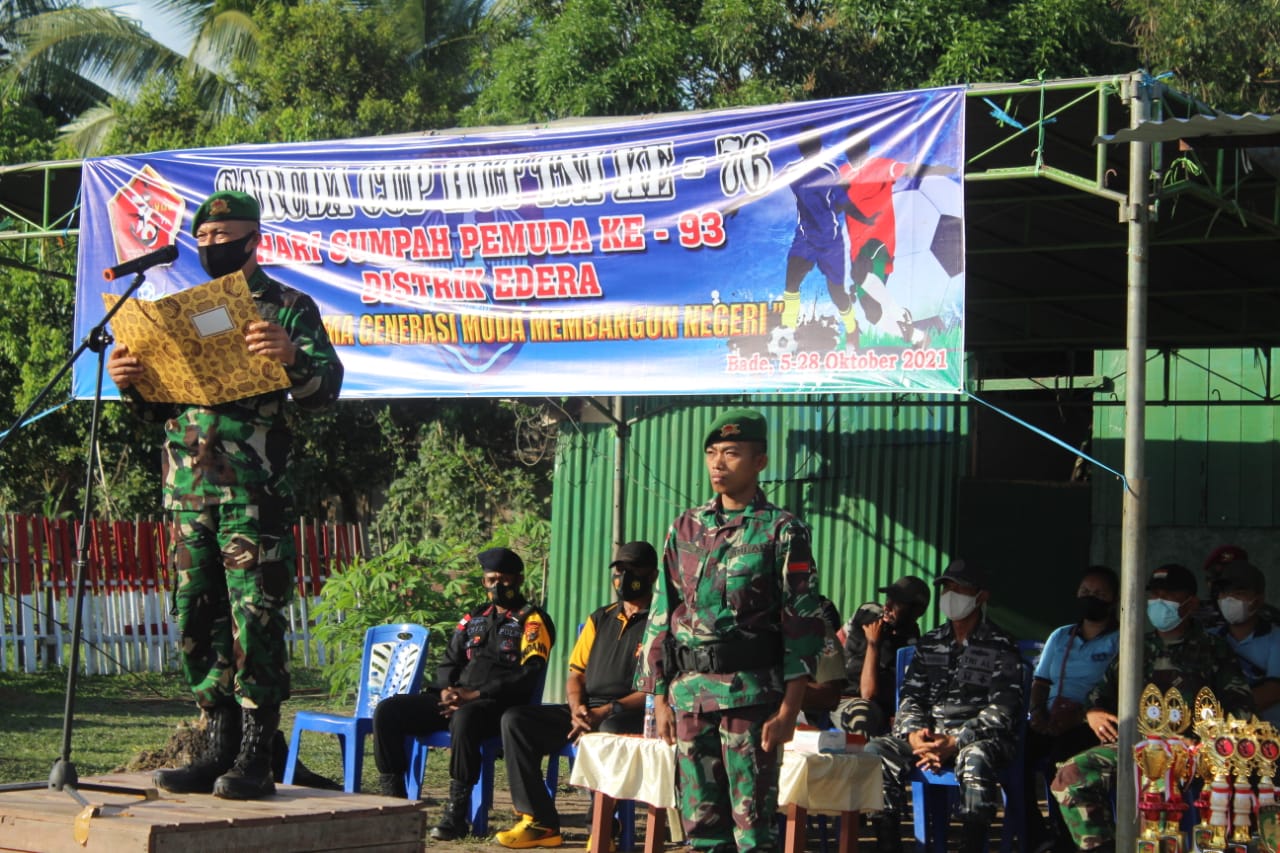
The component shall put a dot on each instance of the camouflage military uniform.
(870, 717)
(226, 489)
(731, 581)
(1083, 785)
(972, 692)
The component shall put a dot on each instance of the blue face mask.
(1163, 614)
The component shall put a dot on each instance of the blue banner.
(809, 247)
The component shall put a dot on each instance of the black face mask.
(634, 586)
(219, 259)
(1093, 608)
(506, 595)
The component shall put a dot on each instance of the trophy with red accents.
(1216, 752)
(1165, 762)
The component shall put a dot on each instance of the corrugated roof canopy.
(1221, 125)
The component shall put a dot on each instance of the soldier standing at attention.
(733, 638)
(961, 696)
(230, 504)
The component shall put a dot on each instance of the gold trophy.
(1164, 763)
(1177, 719)
(1216, 749)
(1153, 759)
(1241, 764)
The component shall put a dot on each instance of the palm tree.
(76, 58)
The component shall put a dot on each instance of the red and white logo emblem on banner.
(146, 214)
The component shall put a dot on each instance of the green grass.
(118, 718)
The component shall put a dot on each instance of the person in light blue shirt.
(1074, 659)
(1241, 592)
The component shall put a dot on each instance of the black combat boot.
(453, 825)
(222, 740)
(973, 834)
(251, 777)
(392, 785)
(888, 833)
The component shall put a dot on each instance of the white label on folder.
(215, 321)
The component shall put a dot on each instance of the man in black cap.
(495, 659)
(601, 697)
(229, 501)
(961, 697)
(1178, 653)
(872, 638)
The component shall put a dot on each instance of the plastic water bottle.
(650, 717)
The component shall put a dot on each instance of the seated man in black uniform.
(496, 658)
(601, 697)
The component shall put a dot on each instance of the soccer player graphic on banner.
(870, 182)
(821, 199)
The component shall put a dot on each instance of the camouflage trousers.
(234, 565)
(977, 768)
(860, 716)
(1083, 787)
(726, 785)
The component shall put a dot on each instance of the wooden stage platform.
(146, 821)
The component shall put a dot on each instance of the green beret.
(226, 205)
(737, 425)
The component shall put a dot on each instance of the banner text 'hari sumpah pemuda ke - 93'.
(808, 247)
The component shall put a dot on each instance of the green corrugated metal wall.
(874, 478)
(1213, 470)
(1214, 467)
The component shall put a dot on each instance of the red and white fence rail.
(128, 623)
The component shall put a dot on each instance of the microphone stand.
(63, 776)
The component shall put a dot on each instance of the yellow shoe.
(529, 833)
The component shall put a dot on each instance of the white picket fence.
(127, 623)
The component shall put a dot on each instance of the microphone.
(167, 255)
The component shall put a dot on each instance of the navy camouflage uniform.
(731, 581)
(972, 692)
(1084, 784)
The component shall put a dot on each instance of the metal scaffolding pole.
(1133, 549)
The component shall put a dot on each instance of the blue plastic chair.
(392, 663)
(931, 793)
(419, 747)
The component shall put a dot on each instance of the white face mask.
(957, 605)
(1235, 610)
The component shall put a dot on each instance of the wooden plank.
(295, 820)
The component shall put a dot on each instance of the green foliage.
(459, 476)
(1224, 52)
(25, 134)
(428, 583)
(331, 71)
(168, 113)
